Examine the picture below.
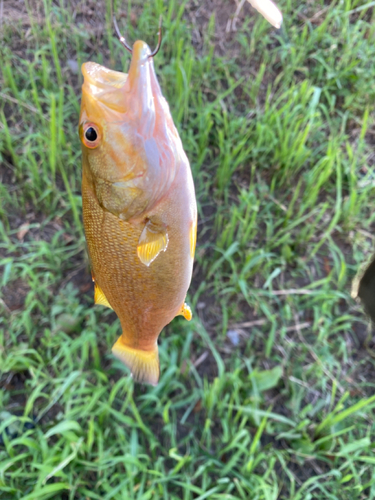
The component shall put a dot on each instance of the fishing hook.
(159, 39)
(120, 37)
(128, 48)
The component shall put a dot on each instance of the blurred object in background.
(364, 289)
(269, 11)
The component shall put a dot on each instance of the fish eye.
(90, 135)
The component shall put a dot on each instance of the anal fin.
(144, 365)
(153, 240)
(100, 298)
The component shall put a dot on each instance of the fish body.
(139, 207)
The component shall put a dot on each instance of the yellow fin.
(153, 240)
(193, 237)
(144, 365)
(185, 311)
(100, 298)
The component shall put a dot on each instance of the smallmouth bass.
(139, 206)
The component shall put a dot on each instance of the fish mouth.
(110, 87)
(103, 84)
(134, 98)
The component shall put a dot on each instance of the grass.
(268, 393)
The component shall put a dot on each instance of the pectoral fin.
(153, 240)
(185, 311)
(100, 298)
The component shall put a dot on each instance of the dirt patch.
(14, 294)
(227, 16)
(7, 174)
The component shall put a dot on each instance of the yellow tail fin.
(144, 365)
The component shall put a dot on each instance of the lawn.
(268, 393)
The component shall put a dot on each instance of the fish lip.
(141, 52)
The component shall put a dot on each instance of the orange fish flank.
(139, 207)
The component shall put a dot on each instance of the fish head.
(131, 149)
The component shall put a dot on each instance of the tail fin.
(144, 365)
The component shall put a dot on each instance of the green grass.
(279, 130)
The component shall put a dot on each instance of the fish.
(139, 205)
